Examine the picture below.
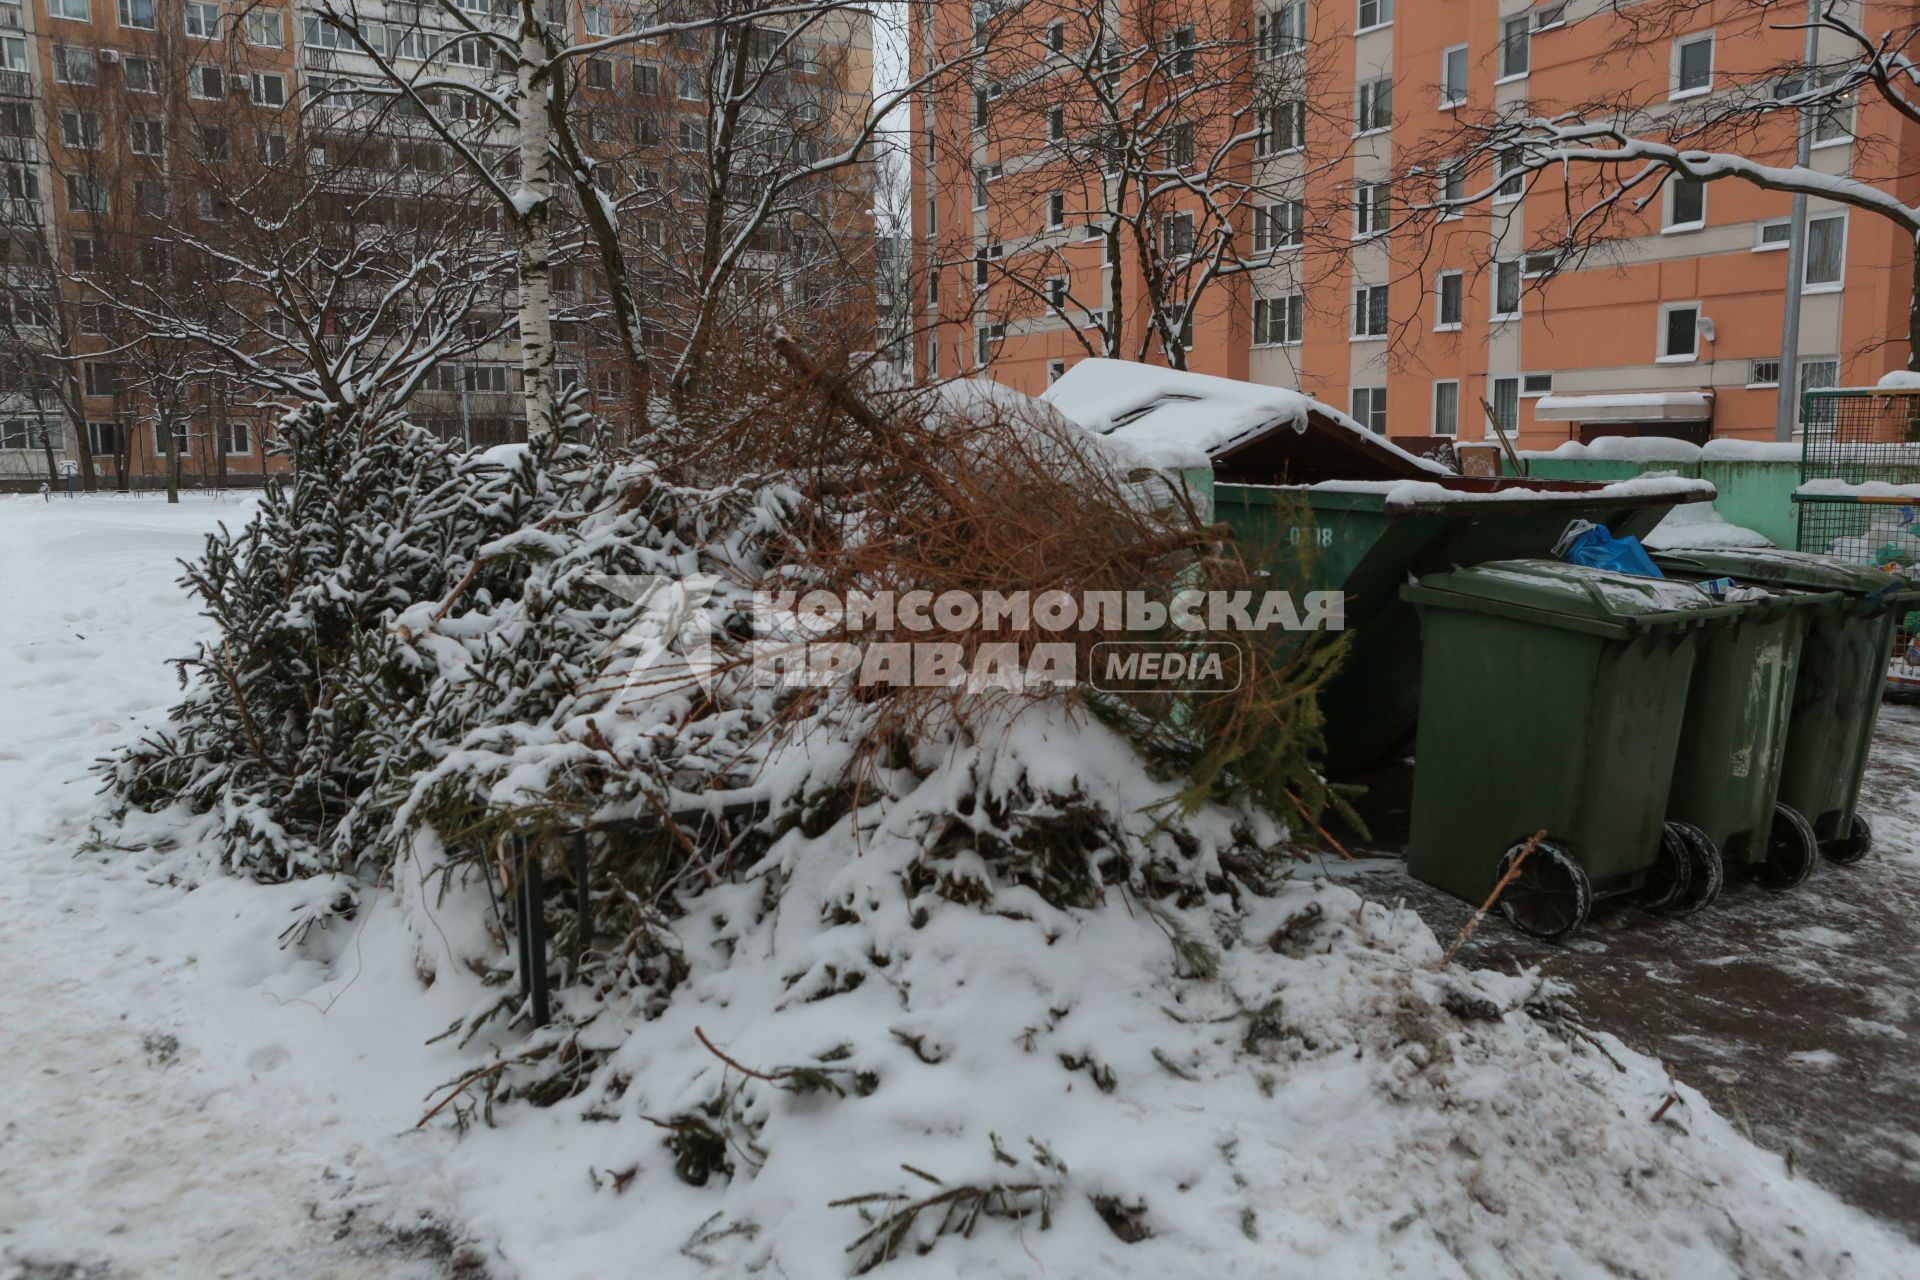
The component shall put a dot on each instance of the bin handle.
(1635, 621)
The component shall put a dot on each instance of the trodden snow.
(186, 1096)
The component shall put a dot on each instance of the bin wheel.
(1706, 872)
(1672, 872)
(1550, 897)
(1853, 846)
(1791, 851)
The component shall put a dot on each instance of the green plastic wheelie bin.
(1726, 776)
(1367, 537)
(1836, 695)
(1552, 701)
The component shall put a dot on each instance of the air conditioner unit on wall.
(109, 56)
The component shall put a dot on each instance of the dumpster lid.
(1453, 494)
(1249, 430)
(1778, 567)
(1599, 598)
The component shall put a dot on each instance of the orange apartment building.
(1426, 328)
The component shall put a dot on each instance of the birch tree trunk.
(533, 216)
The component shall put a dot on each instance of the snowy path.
(124, 1150)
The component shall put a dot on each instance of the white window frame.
(197, 9)
(1372, 208)
(1367, 104)
(1535, 395)
(1753, 365)
(1762, 245)
(1292, 321)
(1056, 370)
(1493, 399)
(1661, 355)
(127, 22)
(1446, 72)
(1440, 322)
(1382, 15)
(1675, 93)
(1362, 329)
(1294, 112)
(1519, 177)
(1667, 224)
(55, 9)
(1376, 403)
(1056, 124)
(1549, 17)
(1056, 210)
(258, 34)
(1519, 289)
(261, 98)
(1824, 286)
(1454, 383)
(1506, 29)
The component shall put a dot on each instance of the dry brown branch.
(1481, 912)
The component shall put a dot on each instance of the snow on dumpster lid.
(1411, 495)
(1647, 406)
(1154, 409)
(978, 401)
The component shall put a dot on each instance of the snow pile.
(1661, 449)
(1179, 419)
(1699, 525)
(1900, 380)
(1876, 489)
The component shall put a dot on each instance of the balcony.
(16, 84)
(10, 17)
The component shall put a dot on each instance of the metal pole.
(533, 935)
(583, 933)
(1786, 406)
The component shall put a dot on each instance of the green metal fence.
(1865, 438)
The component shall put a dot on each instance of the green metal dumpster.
(1367, 537)
(1553, 699)
(1727, 778)
(1836, 696)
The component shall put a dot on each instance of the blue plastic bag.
(1592, 545)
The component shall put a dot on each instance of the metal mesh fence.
(1863, 439)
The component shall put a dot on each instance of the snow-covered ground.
(187, 1097)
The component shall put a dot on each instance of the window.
(1506, 406)
(1176, 235)
(85, 193)
(1446, 408)
(1372, 208)
(1535, 385)
(238, 437)
(1772, 235)
(1539, 263)
(1057, 292)
(487, 378)
(1277, 226)
(1283, 127)
(1281, 30)
(979, 188)
(31, 433)
(1375, 13)
(19, 182)
(73, 66)
(1179, 44)
(1453, 79)
(104, 439)
(1370, 311)
(1686, 204)
(980, 269)
(1506, 289)
(1826, 251)
(979, 108)
(74, 10)
(85, 257)
(1370, 408)
(1056, 37)
(1516, 46)
(1056, 124)
(985, 338)
(1375, 109)
(142, 76)
(265, 30)
(1692, 65)
(1679, 331)
(1818, 375)
(598, 73)
(1510, 169)
(1449, 289)
(1056, 370)
(1548, 16)
(210, 142)
(1453, 190)
(1177, 151)
(80, 130)
(137, 14)
(599, 20)
(203, 20)
(1276, 321)
(1056, 211)
(99, 378)
(1832, 115)
(688, 86)
(150, 197)
(206, 83)
(1763, 373)
(269, 89)
(13, 53)
(148, 138)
